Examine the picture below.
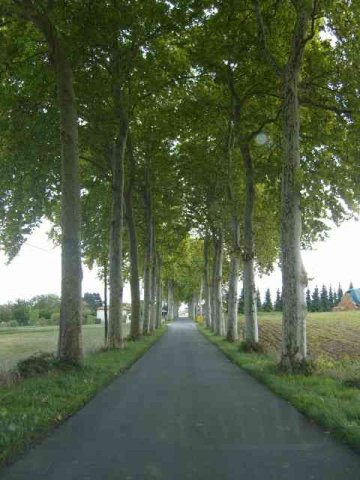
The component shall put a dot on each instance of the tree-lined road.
(186, 412)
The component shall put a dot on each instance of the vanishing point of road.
(182, 412)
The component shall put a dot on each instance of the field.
(19, 343)
(332, 334)
(333, 341)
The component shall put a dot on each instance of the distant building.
(100, 313)
(349, 301)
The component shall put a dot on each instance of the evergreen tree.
(315, 303)
(308, 300)
(258, 300)
(340, 293)
(351, 286)
(331, 298)
(267, 306)
(324, 300)
(278, 301)
(241, 302)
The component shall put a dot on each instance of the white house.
(100, 313)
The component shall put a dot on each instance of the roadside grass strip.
(327, 401)
(32, 408)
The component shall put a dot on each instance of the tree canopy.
(201, 141)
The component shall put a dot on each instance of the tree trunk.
(193, 304)
(176, 310)
(106, 303)
(69, 343)
(207, 291)
(170, 301)
(153, 311)
(148, 253)
(159, 293)
(199, 307)
(116, 336)
(135, 328)
(220, 323)
(232, 327)
(293, 273)
(69, 347)
(116, 231)
(214, 317)
(250, 310)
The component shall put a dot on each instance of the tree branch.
(253, 134)
(104, 173)
(339, 111)
(269, 57)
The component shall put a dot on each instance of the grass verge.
(329, 402)
(30, 409)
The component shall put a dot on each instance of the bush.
(42, 322)
(89, 320)
(55, 318)
(37, 364)
(12, 323)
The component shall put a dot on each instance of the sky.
(37, 268)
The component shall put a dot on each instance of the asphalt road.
(184, 411)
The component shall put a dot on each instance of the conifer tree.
(278, 301)
(340, 293)
(258, 300)
(267, 306)
(324, 299)
(331, 298)
(315, 304)
(308, 300)
(241, 302)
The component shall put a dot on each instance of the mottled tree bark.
(176, 310)
(214, 317)
(154, 279)
(116, 335)
(293, 273)
(232, 325)
(69, 343)
(207, 288)
(170, 301)
(220, 321)
(106, 303)
(250, 310)
(148, 253)
(199, 307)
(135, 328)
(69, 347)
(159, 294)
(154, 289)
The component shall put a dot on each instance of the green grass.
(33, 407)
(326, 400)
(21, 342)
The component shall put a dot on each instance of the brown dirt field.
(335, 335)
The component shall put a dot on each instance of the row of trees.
(181, 160)
(45, 310)
(316, 301)
(323, 300)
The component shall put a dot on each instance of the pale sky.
(36, 270)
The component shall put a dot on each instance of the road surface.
(182, 412)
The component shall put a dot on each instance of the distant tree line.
(44, 310)
(318, 300)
